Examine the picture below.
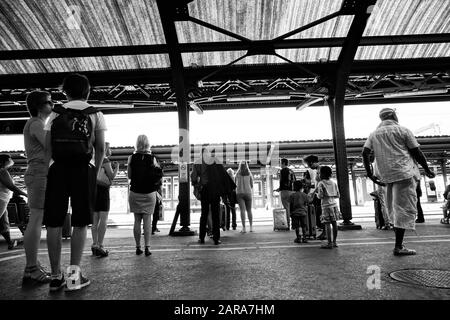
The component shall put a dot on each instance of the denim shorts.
(36, 183)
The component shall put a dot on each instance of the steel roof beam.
(218, 46)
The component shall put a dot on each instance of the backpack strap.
(59, 109)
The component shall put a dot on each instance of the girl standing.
(244, 192)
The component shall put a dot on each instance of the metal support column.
(168, 13)
(337, 90)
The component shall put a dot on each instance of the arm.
(6, 179)
(109, 171)
(37, 131)
(418, 155)
(368, 167)
(99, 149)
(129, 167)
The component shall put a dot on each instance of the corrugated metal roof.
(46, 24)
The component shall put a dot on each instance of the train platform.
(261, 265)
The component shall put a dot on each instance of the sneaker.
(326, 246)
(403, 251)
(147, 252)
(420, 221)
(72, 285)
(297, 240)
(102, 252)
(56, 283)
(12, 245)
(202, 241)
(36, 275)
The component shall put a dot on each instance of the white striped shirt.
(391, 143)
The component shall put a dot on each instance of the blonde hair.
(142, 143)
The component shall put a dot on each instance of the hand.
(430, 174)
(376, 180)
(115, 164)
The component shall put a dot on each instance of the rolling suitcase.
(67, 227)
(311, 228)
(279, 219)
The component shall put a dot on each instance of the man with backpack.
(75, 132)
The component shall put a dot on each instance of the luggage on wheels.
(279, 219)
(311, 227)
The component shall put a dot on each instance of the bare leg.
(94, 228)
(102, 225)
(32, 236)
(328, 231)
(335, 230)
(248, 207)
(137, 229)
(147, 228)
(77, 245)
(54, 242)
(242, 210)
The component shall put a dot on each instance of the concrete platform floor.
(261, 265)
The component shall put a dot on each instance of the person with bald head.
(396, 150)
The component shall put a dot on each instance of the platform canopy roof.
(235, 54)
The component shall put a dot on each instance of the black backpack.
(71, 135)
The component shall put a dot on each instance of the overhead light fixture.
(307, 102)
(257, 98)
(112, 106)
(414, 93)
(196, 107)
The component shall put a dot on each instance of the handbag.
(102, 179)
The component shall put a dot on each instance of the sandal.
(35, 274)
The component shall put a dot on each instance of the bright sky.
(258, 125)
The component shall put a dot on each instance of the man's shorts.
(77, 182)
(36, 182)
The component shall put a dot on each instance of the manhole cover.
(428, 278)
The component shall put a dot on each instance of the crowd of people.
(68, 158)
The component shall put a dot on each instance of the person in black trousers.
(155, 217)
(213, 182)
(420, 217)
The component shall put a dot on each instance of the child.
(328, 191)
(298, 203)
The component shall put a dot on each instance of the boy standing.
(298, 203)
(75, 131)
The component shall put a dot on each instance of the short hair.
(326, 172)
(298, 185)
(311, 159)
(142, 143)
(76, 86)
(4, 158)
(285, 161)
(35, 101)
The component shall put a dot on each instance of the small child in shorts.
(328, 192)
(298, 202)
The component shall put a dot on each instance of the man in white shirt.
(395, 149)
(75, 132)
